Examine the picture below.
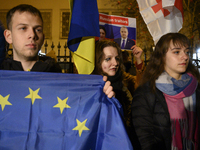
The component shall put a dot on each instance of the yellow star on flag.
(4, 101)
(62, 104)
(80, 126)
(33, 95)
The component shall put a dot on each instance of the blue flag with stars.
(54, 111)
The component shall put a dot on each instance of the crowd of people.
(160, 103)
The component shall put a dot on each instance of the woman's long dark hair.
(157, 61)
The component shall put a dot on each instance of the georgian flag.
(161, 16)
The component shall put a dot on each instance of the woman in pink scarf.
(165, 107)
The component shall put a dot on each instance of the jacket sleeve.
(132, 81)
(142, 118)
(139, 73)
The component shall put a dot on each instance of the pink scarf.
(181, 101)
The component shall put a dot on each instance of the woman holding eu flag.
(109, 62)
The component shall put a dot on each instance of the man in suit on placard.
(124, 42)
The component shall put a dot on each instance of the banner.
(54, 111)
(113, 25)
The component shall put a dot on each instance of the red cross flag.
(161, 16)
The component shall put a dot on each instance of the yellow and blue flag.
(54, 111)
(84, 26)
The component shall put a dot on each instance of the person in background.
(25, 33)
(166, 105)
(126, 62)
(2, 44)
(124, 42)
(108, 62)
(102, 36)
(102, 33)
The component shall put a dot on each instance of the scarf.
(117, 84)
(122, 94)
(180, 97)
(116, 80)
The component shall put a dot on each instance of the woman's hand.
(108, 89)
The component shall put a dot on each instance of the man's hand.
(108, 89)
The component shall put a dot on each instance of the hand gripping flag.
(84, 27)
(52, 111)
(161, 16)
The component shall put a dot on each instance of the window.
(64, 25)
(47, 23)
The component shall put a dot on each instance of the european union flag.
(54, 111)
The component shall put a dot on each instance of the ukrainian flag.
(84, 26)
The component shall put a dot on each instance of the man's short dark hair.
(21, 8)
